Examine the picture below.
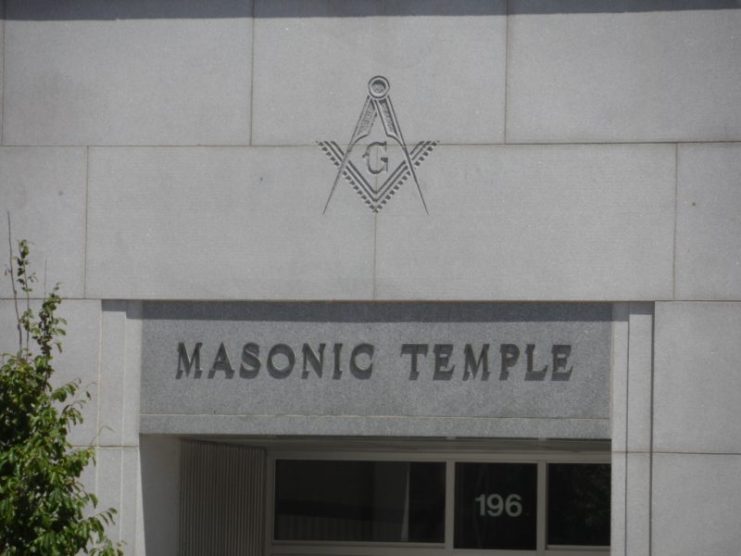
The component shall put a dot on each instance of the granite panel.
(78, 361)
(638, 505)
(119, 487)
(619, 385)
(364, 426)
(616, 74)
(131, 392)
(130, 503)
(112, 369)
(120, 371)
(160, 486)
(511, 367)
(87, 479)
(571, 222)
(630, 504)
(127, 72)
(696, 501)
(313, 59)
(43, 189)
(697, 391)
(109, 490)
(640, 378)
(708, 260)
(618, 470)
(2, 57)
(224, 223)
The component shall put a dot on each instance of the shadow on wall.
(53, 10)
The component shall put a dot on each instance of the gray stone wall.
(588, 151)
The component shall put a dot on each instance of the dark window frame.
(450, 457)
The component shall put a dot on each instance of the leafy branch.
(44, 508)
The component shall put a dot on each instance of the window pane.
(359, 501)
(495, 505)
(579, 504)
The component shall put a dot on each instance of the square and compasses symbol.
(377, 161)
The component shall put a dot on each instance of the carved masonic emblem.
(378, 167)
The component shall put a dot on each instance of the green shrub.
(44, 508)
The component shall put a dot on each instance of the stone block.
(638, 504)
(363, 426)
(569, 222)
(697, 391)
(130, 504)
(2, 54)
(78, 361)
(708, 256)
(444, 367)
(131, 392)
(160, 479)
(127, 73)
(313, 59)
(120, 369)
(640, 377)
(224, 223)
(619, 385)
(406, 363)
(43, 189)
(618, 465)
(617, 74)
(696, 501)
(631, 504)
(87, 478)
(108, 486)
(118, 480)
(112, 370)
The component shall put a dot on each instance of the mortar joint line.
(86, 208)
(123, 364)
(3, 75)
(98, 396)
(374, 277)
(506, 66)
(625, 455)
(441, 143)
(122, 514)
(252, 72)
(651, 434)
(676, 219)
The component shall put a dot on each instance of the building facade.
(390, 277)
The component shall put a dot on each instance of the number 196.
(494, 505)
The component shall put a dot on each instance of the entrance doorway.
(447, 498)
